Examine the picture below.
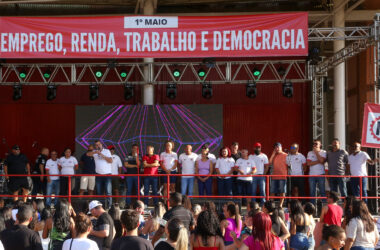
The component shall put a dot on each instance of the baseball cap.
(277, 144)
(205, 146)
(257, 145)
(16, 147)
(94, 204)
(111, 147)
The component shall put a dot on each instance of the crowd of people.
(184, 225)
(239, 173)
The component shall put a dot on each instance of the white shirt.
(52, 166)
(355, 230)
(188, 163)
(317, 169)
(116, 164)
(80, 244)
(67, 165)
(101, 165)
(210, 156)
(246, 166)
(169, 159)
(260, 161)
(295, 162)
(224, 165)
(358, 163)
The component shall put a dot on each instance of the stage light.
(17, 91)
(129, 91)
(94, 91)
(201, 72)
(287, 89)
(176, 73)
(51, 92)
(281, 71)
(256, 72)
(123, 73)
(22, 74)
(171, 91)
(98, 73)
(251, 90)
(207, 90)
(47, 74)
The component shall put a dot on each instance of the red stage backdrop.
(154, 36)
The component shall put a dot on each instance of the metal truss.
(340, 33)
(158, 72)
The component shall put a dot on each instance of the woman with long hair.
(262, 236)
(204, 166)
(231, 223)
(225, 166)
(153, 222)
(299, 226)
(278, 225)
(177, 236)
(361, 230)
(83, 227)
(309, 209)
(207, 234)
(61, 226)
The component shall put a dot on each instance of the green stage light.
(98, 73)
(176, 73)
(201, 72)
(123, 74)
(22, 74)
(256, 72)
(47, 74)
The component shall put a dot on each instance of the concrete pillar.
(148, 88)
(339, 80)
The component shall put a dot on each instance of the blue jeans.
(131, 183)
(225, 186)
(259, 181)
(278, 187)
(313, 182)
(362, 248)
(299, 241)
(150, 181)
(104, 185)
(205, 185)
(311, 242)
(355, 186)
(338, 181)
(187, 185)
(52, 188)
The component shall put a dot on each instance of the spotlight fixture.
(201, 73)
(94, 91)
(171, 91)
(17, 91)
(51, 92)
(256, 72)
(98, 73)
(287, 89)
(123, 73)
(251, 89)
(281, 71)
(47, 74)
(176, 73)
(129, 91)
(206, 90)
(22, 74)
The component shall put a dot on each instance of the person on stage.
(225, 166)
(169, 162)
(132, 165)
(245, 166)
(278, 161)
(115, 170)
(151, 162)
(39, 183)
(187, 161)
(297, 163)
(53, 184)
(67, 164)
(262, 165)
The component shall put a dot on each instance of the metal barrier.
(267, 196)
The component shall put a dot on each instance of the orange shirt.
(279, 166)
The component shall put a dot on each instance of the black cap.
(16, 147)
(205, 146)
(277, 144)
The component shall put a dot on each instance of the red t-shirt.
(279, 166)
(333, 215)
(151, 160)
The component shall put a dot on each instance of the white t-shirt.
(101, 165)
(246, 166)
(188, 163)
(169, 159)
(224, 165)
(67, 165)
(317, 169)
(210, 156)
(80, 244)
(260, 161)
(52, 166)
(295, 162)
(116, 164)
(358, 163)
(355, 230)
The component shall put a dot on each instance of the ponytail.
(182, 239)
(178, 233)
(233, 209)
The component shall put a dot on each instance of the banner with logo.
(154, 36)
(371, 126)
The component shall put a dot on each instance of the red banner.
(154, 36)
(371, 126)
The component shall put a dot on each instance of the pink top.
(204, 167)
(232, 227)
(252, 244)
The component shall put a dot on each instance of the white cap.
(94, 204)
